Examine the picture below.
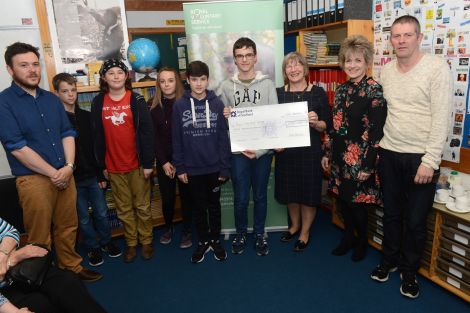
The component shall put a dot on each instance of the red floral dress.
(359, 114)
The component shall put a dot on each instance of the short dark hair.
(63, 77)
(408, 19)
(19, 48)
(244, 42)
(197, 69)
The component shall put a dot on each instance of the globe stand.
(147, 78)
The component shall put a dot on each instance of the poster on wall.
(445, 25)
(87, 30)
(211, 29)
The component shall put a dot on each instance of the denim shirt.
(37, 122)
(6, 230)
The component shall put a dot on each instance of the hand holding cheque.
(269, 127)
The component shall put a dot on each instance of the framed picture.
(83, 31)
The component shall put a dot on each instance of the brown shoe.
(130, 254)
(89, 276)
(147, 251)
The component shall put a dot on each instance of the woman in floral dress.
(359, 114)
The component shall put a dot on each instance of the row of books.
(308, 13)
(329, 80)
(318, 50)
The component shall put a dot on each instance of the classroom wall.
(152, 19)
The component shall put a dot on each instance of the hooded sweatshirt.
(236, 94)
(199, 135)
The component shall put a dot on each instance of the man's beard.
(25, 83)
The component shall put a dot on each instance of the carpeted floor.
(283, 281)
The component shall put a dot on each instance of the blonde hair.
(356, 44)
(179, 89)
(294, 57)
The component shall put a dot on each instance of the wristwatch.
(71, 165)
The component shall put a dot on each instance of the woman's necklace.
(297, 95)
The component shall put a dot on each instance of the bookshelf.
(335, 32)
(326, 65)
(87, 93)
(330, 75)
(94, 88)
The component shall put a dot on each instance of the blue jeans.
(246, 174)
(90, 194)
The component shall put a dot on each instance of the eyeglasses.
(247, 56)
(292, 66)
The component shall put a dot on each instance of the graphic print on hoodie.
(260, 91)
(200, 138)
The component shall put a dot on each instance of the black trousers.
(167, 187)
(205, 195)
(406, 207)
(61, 292)
(355, 219)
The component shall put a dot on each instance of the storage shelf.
(326, 65)
(329, 26)
(134, 85)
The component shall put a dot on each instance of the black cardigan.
(84, 157)
(144, 133)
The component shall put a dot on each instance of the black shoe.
(238, 243)
(287, 236)
(261, 245)
(409, 285)
(359, 252)
(343, 248)
(112, 250)
(219, 252)
(201, 250)
(300, 245)
(380, 273)
(94, 257)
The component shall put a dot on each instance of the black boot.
(346, 243)
(359, 251)
(360, 224)
(344, 246)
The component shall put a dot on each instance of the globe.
(143, 55)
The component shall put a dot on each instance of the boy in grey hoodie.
(250, 169)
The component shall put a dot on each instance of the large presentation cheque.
(269, 127)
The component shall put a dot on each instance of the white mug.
(458, 190)
(461, 206)
(461, 202)
(442, 195)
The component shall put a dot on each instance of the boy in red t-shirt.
(123, 146)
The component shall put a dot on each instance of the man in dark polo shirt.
(40, 147)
